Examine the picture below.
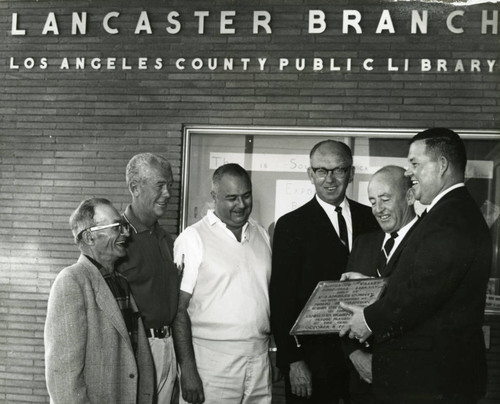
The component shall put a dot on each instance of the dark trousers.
(359, 390)
(330, 373)
(455, 400)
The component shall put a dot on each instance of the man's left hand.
(356, 326)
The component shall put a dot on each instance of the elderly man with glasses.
(96, 349)
(312, 244)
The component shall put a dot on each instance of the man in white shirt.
(376, 254)
(221, 332)
(429, 345)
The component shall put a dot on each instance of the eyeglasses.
(337, 172)
(122, 224)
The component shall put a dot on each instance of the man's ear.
(213, 195)
(310, 174)
(88, 238)
(351, 173)
(444, 164)
(410, 197)
(133, 187)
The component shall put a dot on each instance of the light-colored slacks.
(230, 379)
(162, 350)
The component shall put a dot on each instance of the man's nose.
(408, 172)
(330, 176)
(377, 207)
(165, 191)
(125, 231)
(240, 202)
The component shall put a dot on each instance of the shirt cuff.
(364, 320)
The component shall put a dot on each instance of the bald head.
(391, 198)
(331, 147)
(394, 175)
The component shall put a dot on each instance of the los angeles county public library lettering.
(314, 22)
(85, 85)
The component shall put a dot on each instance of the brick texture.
(68, 134)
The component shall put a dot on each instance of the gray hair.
(138, 166)
(83, 216)
(397, 174)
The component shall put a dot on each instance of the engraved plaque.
(322, 313)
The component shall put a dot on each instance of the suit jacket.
(427, 326)
(364, 259)
(88, 354)
(307, 250)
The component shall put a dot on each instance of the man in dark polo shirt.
(149, 267)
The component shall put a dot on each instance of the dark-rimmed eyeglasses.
(337, 172)
(122, 225)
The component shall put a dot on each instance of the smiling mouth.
(384, 218)
(330, 189)
(414, 182)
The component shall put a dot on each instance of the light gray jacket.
(88, 353)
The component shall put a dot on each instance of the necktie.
(385, 251)
(342, 228)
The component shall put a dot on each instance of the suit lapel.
(392, 264)
(105, 299)
(323, 223)
(357, 226)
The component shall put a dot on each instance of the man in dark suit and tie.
(429, 345)
(375, 254)
(312, 244)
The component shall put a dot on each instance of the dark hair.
(83, 216)
(444, 142)
(229, 169)
(343, 147)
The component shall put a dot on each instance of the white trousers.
(229, 379)
(162, 350)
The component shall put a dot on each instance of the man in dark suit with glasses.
(312, 244)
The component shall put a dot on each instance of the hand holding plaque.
(322, 313)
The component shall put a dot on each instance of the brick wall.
(67, 134)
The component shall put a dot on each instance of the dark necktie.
(385, 251)
(342, 228)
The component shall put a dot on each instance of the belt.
(163, 332)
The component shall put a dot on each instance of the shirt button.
(131, 375)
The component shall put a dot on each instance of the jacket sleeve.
(443, 257)
(285, 279)
(65, 342)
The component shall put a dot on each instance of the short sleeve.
(188, 251)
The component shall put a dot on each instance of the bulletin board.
(277, 160)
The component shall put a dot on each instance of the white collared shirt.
(228, 281)
(401, 235)
(438, 197)
(333, 216)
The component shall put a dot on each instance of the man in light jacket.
(96, 350)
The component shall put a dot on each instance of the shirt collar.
(439, 196)
(134, 222)
(330, 209)
(213, 219)
(94, 262)
(403, 230)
